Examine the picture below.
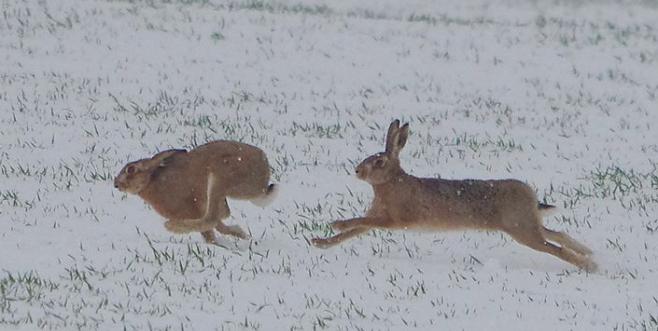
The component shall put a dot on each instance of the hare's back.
(466, 203)
(476, 189)
(242, 170)
(226, 146)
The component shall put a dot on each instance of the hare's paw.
(236, 231)
(209, 237)
(232, 230)
(589, 265)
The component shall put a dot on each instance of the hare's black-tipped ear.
(160, 159)
(391, 136)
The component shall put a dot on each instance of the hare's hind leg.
(566, 241)
(209, 237)
(532, 237)
(208, 222)
(231, 230)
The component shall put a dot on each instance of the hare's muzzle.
(117, 184)
(360, 171)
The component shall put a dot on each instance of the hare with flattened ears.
(190, 188)
(403, 201)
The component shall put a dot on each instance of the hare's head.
(382, 167)
(135, 176)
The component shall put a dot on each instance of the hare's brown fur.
(403, 201)
(190, 188)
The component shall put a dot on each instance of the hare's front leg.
(351, 228)
(337, 239)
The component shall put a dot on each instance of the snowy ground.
(559, 94)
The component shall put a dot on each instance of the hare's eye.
(130, 170)
(379, 163)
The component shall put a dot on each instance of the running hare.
(403, 201)
(190, 188)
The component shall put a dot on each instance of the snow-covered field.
(559, 94)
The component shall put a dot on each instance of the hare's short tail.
(545, 209)
(268, 197)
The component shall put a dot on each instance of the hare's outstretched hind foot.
(565, 254)
(534, 239)
(566, 241)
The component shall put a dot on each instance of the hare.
(403, 201)
(190, 188)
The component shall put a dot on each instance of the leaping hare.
(403, 201)
(190, 188)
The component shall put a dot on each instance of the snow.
(559, 94)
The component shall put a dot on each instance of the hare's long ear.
(160, 159)
(403, 134)
(397, 140)
(391, 136)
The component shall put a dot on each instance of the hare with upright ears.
(403, 201)
(190, 188)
